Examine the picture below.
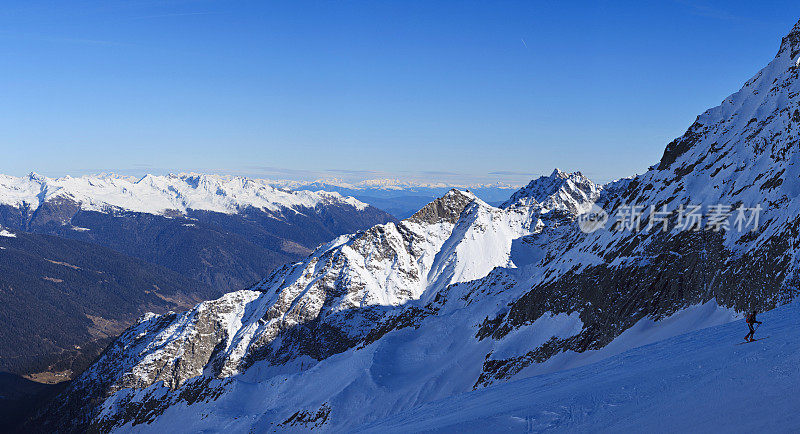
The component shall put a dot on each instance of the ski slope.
(696, 382)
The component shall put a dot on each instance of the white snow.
(565, 191)
(420, 379)
(696, 382)
(158, 194)
(644, 332)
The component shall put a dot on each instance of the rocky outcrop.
(444, 209)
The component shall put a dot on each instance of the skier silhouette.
(751, 319)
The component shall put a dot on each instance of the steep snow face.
(454, 239)
(480, 241)
(571, 192)
(161, 194)
(742, 151)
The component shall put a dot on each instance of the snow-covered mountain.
(462, 295)
(567, 191)
(347, 294)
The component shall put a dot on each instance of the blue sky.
(452, 91)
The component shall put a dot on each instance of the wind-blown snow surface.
(158, 194)
(696, 382)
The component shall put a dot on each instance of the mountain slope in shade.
(636, 391)
(463, 296)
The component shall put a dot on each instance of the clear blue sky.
(460, 91)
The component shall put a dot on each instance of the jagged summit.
(570, 192)
(791, 43)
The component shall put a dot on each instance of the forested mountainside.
(62, 301)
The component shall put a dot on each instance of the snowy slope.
(400, 372)
(159, 194)
(696, 382)
(741, 153)
(456, 238)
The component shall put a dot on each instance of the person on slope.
(751, 319)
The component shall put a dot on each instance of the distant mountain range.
(222, 231)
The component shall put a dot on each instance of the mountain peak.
(572, 192)
(446, 208)
(791, 43)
